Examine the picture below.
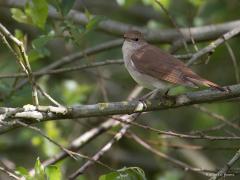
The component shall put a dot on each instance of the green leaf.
(18, 34)
(20, 16)
(35, 13)
(39, 12)
(41, 41)
(170, 175)
(36, 140)
(87, 14)
(131, 173)
(39, 170)
(53, 173)
(22, 171)
(66, 6)
(39, 50)
(34, 55)
(93, 22)
(110, 176)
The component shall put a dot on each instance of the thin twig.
(212, 46)
(45, 94)
(77, 56)
(68, 69)
(22, 59)
(179, 135)
(103, 150)
(176, 162)
(234, 61)
(69, 152)
(45, 136)
(10, 174)
(174, 24)
(213, 128)
(80, 67)
(217, 116)
(202, 33)
(222, 172)
(89, 135)
(102, 86)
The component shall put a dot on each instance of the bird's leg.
(160, 93)
(149, 95)
(155, 93)
(228, 89)
(166, 92)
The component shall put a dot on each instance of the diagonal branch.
(89, 135)
(106, 147)
(212, 46)
(222, 172)
(18, 50)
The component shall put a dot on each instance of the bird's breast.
(144, 80)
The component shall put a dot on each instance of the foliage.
(51, 40)
(130, 173)
(50, 172)
(35, 13)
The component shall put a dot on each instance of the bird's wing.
(152, 61)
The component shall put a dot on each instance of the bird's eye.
(135, 39)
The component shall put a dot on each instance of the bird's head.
(134, 39)
(134, 36)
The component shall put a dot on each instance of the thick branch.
(202, 33)
(43, 113)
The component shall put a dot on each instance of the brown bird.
(153, 68)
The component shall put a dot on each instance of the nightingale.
(153, 68)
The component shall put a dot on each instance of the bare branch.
(68, 69)
(105, 148)
(203, 33)
(175, 134)
(182, 38)
(22, 58)
(222, 172)
(217, 116)
(77, 56)
(212, 46)
(43, 113)
(10, 174)
(86, 137)
(174, 161)
(234, 61)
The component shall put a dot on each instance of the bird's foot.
(228, 89)
(156, 94)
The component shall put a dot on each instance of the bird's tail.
(206, 83)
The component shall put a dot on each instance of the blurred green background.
(48, 40)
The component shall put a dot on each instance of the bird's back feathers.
(154, 62)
